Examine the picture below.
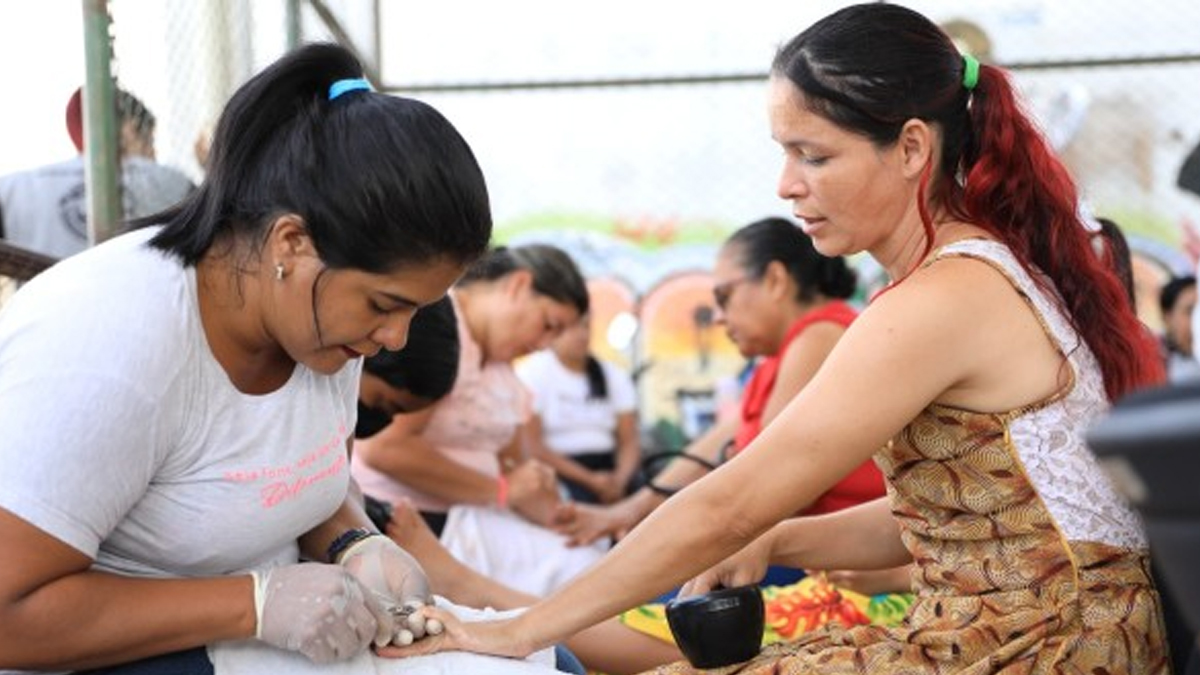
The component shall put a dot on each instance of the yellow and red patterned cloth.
(794, 610)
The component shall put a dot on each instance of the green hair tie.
(970, 71)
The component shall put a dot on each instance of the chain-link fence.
(634, 133)
(651, 123)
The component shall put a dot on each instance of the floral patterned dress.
(1028, 560)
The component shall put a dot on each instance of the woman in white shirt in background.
(584, 421)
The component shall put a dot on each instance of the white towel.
(503, 546)
(251, 657)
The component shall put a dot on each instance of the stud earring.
(279, 271)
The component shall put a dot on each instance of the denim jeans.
(567, 662)
(190, 662)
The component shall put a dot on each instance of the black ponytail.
(778, 240)
(555, 274)
(597, 384)
(378, 180)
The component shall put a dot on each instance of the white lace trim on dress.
(1050, 439)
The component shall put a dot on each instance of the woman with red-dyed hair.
(1000, 339)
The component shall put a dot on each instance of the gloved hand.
(398, 583)
(317, 610)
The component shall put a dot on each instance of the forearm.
(563, 466)
(627, 464)
(314, 544)
(708, 446)
(422, 467)
(92, 619)
(691, 532)
(642, 567)
(640, 504)
(454, 483)
(864, 537)
(629, 449)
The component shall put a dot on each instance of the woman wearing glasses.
(784, 303)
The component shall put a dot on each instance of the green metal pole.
(293, 24)
(102, 152)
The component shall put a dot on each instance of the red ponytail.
(1017, 189)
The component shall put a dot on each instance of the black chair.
(1150, 445)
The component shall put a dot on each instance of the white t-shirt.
(45, 209)
(572, 424)
(123, 437)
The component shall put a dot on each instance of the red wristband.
(502, 491)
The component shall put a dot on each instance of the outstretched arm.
(608, 647)
(929, 339)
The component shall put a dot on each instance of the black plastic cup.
(720, 628)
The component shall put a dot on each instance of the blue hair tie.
(342, 86)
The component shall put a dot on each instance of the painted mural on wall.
(653, 313)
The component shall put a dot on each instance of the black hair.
(779, 240)
(1170, 292)
(378, 180)
(871, 68)
(427, 366)
(131, 109)
(1118, 256)
(555, 274)
(597, 384)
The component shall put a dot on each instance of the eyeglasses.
(723, 290)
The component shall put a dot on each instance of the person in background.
(407, 381)
(190, 387)
(461, 462)
(466, 449)
(1177, 301)
(410, 380)
(1112, 246)
(414, 378)
(971, 379)
(584, 423)
(45, 209)
(783, 303)
(1196, 323)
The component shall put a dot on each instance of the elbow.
(736, 521)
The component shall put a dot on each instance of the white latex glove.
(397, 582)
(317, 610)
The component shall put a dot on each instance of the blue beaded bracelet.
(345, 540)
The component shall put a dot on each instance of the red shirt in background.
(865, 483)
